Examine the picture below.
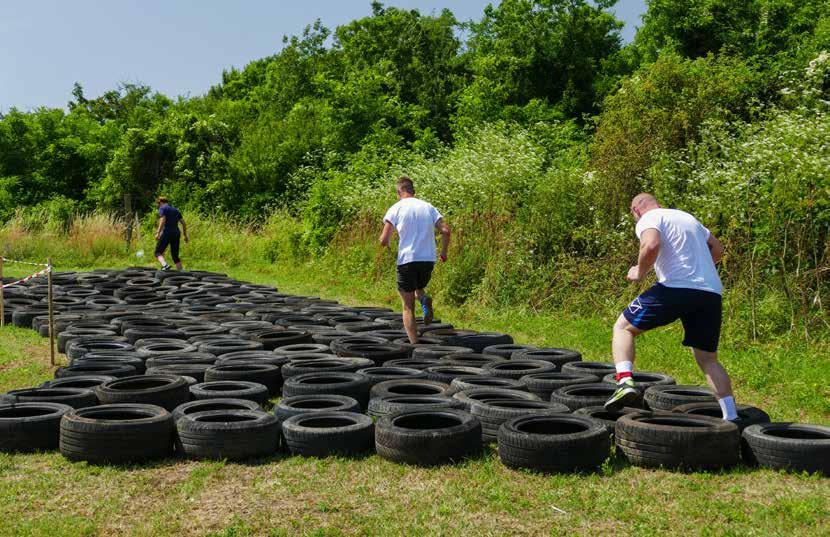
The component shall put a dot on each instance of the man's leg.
(426, 304)
(718, 380)
(408, 300)
(174, 251)
(161, 246)
(622, 349)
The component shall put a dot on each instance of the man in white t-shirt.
(683, 253)
(415, 222)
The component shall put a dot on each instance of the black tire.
(493, 412)
(673, 440)
(134, 334)
(321, 434)
(553, 443)
(166, 391)
(82, 381)
(428, 437)
(544, 384)
(381, 374)
(378, 353)
(351, 385)
(477, 341)
(73, 397)
(131, 361)
(412, 363)
(226, 346)
(644, 379)
(598, 369)
(274, 339)
(341, 343)
(27, 427)
(230, 389)
(578, 396)
(302, 348)
(557, 357)
(389, 388)
(351, 365)
(469, 382)
(117, 433)
(386, 406)
(669, 397)
(468, 397)
(747, 415)
(92, 368)
(253, 357)
(196, 371)
(606, 417)
(227, 434)
(158, 350)
(78, 348)
(436, 352)
(189, 358)
(470, 359)
(204, 405)
(265, 374)
(516, 369)
(446, 373)
(799, 447)
(303, 404)
(506, 350)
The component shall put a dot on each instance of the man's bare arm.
(715, 248)
(161, 226)
(184, 230)
(445, 237)
(386, 234)
(649, 250)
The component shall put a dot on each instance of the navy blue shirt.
(171, 218)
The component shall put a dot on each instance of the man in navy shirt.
(168, 233)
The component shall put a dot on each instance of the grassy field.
(43, 494)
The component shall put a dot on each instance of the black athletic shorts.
(173, 240)
(699, 311)
(415, 275)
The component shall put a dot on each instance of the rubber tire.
(197, 371)
(149, 435)
(217, 435)
(544, 384)
(446, 373)
(351, 365)
(72, 397)
(437, 352)
(381, 373)
(265, 374)
(428, 446)
(118, 371)
(389, 388)
(468, 397)
(304, 404)
(655, 439)
(492, 413)
(471, 382)
(793, 454)
(166, 391)
(557, 357)
(581, 395)
(237, 389)
(644, 379)
(478, 341)
(506, 350)
(28, 427)
(203, 405)
(87, 381)
(386, 406)
(353, 439)
(662, 398)
(598, 369)
(606, 417)
(579, 444)
(351, 385)
(470, 359)
(516, 369)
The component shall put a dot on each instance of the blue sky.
(178, 47)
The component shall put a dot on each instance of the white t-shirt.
(414, 221)
(684, 259)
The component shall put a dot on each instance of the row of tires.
(170, 340)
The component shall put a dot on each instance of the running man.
(415, 222)
(683, 253)
(168, 233)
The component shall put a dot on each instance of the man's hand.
(634, 274)
(186, 239)
(158, 236)
(443, 258)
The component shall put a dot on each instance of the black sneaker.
(165, 268)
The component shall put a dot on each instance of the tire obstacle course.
(188, 364)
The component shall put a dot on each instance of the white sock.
(624, 367)
(727, 406)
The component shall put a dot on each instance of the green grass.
(43, 494)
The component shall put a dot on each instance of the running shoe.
(426, 306)
(626, 395)
(165, 268)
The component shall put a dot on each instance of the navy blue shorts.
(171, 239)
(699, 311)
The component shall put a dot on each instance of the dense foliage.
(530, 128)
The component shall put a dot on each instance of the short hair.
(162, 199)
(405, 183)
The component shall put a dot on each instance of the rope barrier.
(47, 270)
(6, 260)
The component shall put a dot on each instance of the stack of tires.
(200, 365)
